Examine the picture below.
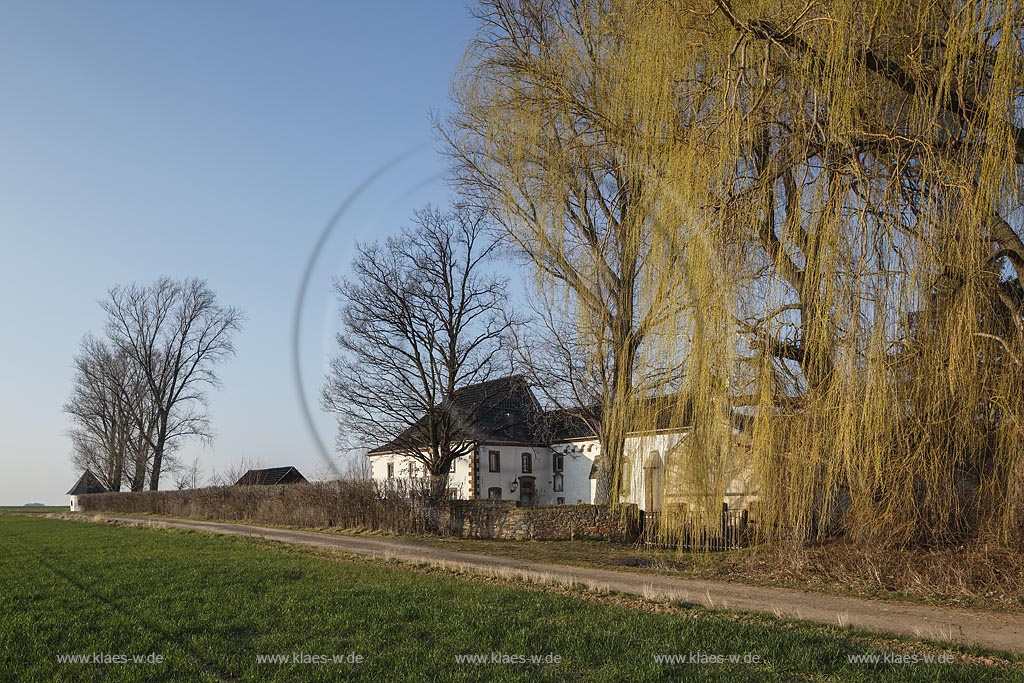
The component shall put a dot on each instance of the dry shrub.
(344, 503)
(979, 573)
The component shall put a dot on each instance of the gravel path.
(999, 630)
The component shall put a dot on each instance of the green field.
(212, 606)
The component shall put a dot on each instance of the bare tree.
(353, 465)
(188, 476)
(559, 358)
(144, 415)
(422, 318)
(89, 454)
(99, 435)
(538, 142)
(175, 333)
(106, 392)
(359, 468)
(233, 472)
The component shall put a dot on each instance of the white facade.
(644, 465)
(577, 464)
(75, 505)
(498, 471)
(648, 456)
(537, 475)
(395, 467)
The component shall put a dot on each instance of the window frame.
(494, 461)
(527, 462)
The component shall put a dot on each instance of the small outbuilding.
(271, 477)
(87, 483)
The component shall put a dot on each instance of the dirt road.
(1002, 631)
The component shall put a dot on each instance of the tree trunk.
(158, 456)
(438, 487)
(141, 455)
(619, 408)
(119, 455)
(118, 474)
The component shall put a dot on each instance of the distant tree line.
(139, 388)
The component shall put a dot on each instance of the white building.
(87, 483)
(539, 457)
(524, 453)
(648, 457)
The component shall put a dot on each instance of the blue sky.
(209, 139)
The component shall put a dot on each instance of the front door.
(652, 488)
(527, 492)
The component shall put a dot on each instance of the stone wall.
(369, 506)
(503, 519)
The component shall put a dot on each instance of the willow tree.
(821, 224)
(877, 156)
(542, 142)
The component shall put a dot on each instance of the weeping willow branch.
(789, 231)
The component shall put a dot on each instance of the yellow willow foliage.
(791, 228)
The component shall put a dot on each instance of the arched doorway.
(653, 481)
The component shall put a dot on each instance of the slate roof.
(568, 425)
(505, 393)
(87, 483)
(271, 477)
(503, 410)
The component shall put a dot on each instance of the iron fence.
(728, 530)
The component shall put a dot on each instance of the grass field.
(212, 607)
